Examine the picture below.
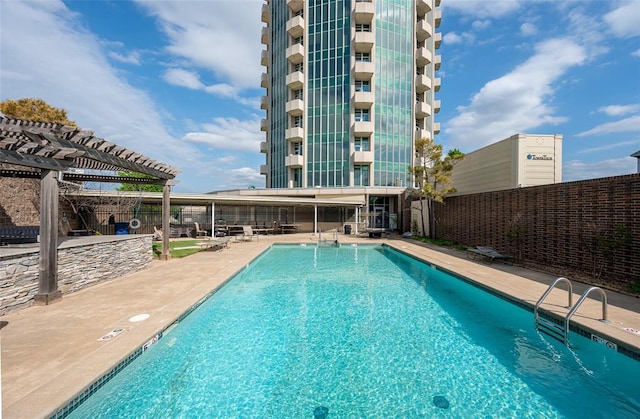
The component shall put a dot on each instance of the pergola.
(48, 151)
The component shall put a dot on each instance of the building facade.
(516, 162)
(350, 85)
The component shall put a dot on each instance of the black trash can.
(347, 229)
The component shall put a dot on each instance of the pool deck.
(52, 353)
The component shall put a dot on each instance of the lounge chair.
(216, 244)
(488, 253)
(248, 234)
(200, 233)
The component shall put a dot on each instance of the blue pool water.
(363, 332)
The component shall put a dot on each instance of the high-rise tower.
(350, 85)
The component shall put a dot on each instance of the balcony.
(264, 102)
(294, 134)
(362, 157)
(295, 26)
(294, 5)
(294, 161)
(423, 83)
(363, 100)
(264, 169)
(436, 127)
(295, 53)
(437, 82)
(436, 62)
(264, 58)
(265, 15)
(422, 109)
(423, 30)
(364, 12)
(295, 80)
(265, 35)
(364, 41)
(436, 106)
(294, 107)
(423, 56)
(264, 125)
(362, 128)
(437, 17)
(437, 38)
(423, 7)
(364, 70)
(422, 133)
(264, 80)
(264, 147)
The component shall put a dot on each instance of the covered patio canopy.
(48, 151)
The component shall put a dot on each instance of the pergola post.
(48, 291)
(166, 227)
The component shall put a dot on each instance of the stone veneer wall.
(80, 265)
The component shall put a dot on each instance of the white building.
(518, 161)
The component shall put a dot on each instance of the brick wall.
(552, 225)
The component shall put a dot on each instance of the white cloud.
(183, 78)
(580, 170)
(482, 8)
(606, 147)
(215, 36)
(515, 102)
(191, 80)
(452, 38)
(132, 58)
(623, 21)
(617, 110)
(222, 89)
(636, 53)
(481, 24)
(528, 29)
(229, 134)
(631, 124)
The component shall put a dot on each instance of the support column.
(48, 291)
(315, 219)
(166, 227)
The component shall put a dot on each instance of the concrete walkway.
(52, 353)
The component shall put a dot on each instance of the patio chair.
(488, 253)
(157, 234)
(200, 233)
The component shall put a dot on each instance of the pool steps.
(560, 331)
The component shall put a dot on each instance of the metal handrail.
(575, 308)
(557, 281)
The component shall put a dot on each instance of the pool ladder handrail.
(548, 327)
(335, 238)
(554, 330)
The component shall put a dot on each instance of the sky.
(179, 81)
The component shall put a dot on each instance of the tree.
(35, 110)
(433, 176)
(138, 187)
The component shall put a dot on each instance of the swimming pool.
(363, 331)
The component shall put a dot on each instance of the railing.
(556, 331)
